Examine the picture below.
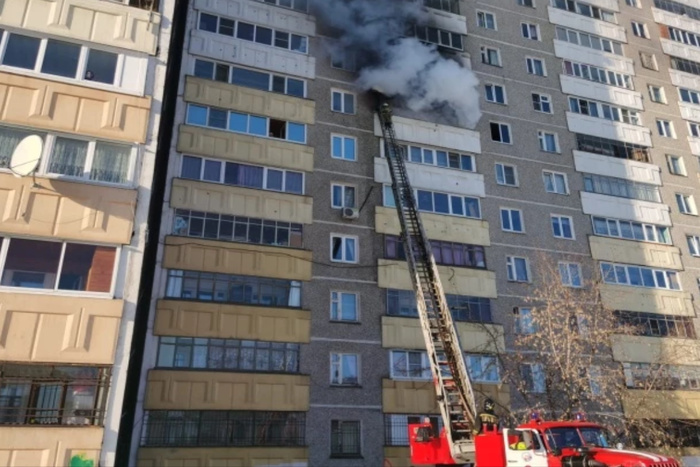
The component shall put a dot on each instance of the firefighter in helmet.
(487, 419)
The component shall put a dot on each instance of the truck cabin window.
(572, 437)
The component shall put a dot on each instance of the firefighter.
(524, 442)
(487, 419)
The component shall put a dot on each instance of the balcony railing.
(611, 148)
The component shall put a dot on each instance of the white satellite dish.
(26, 156)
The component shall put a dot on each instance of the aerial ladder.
(453, 388)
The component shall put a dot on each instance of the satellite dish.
(26, 156)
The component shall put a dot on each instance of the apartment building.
(84, 76)
(283, 327)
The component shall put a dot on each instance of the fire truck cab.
(536, 444)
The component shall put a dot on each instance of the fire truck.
(537, 443)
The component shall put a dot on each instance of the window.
(343, 102)
(409, 364)
(500, 132)
(524, 322)
(440, 37)
(636, 276)
(43, 395)
(621, 187)
(249, 78)
(343, 147)
(451, 6)
(299, 5)
(530, 31)
(676, 165)
(345, 438)
(549, 142)
(63, 59)
(265, 127)
(689, 96)
(343, 249)
(253, 33)
(612, 148)
(222, 428)
(64, 266)
(490, 56)
(343, 59)
(656, 325)
(684, 37)
(694, 129)
(511, 220)
(439, 157)
(445, 253)
(665, 128)
(657, 94)
(535, 66)
(441, 203)
(662, 376)
(236, 229)
(528, 3)
(555, 182)
(585, 9)
(631, 230)
(486, 20)
(463, 307)
(495, 94)
(533, 377)
(634, 3)
(595, 379)
(342, 196)
(588, 40)
(228, 355)
(570, 274)
(344, 306)
(686, 204)
(562, 227)
(229, 288)
(506, 175)
(345, 369)
(518, 269)
(482, 368)
(648, 61)
(597, 74)
(542, 103)
(248, 176)
(694, 245)
(396, 427)
(640, 30)
(605, 111)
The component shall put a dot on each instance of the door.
(524, 448)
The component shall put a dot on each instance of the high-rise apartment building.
(85, 77)
(283, 328)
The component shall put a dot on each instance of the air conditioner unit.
(351, 213)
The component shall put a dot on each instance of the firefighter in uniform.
(487, 419)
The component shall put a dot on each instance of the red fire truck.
(534, 444)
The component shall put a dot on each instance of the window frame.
(486, 52)
(524, 325)
(617, 226)
(665, 128)
(568, 281)
(492, 363)
(484, 24)
(338, 426)
(554, 184)
(337, 303)
(494, 94)
(542, 100)
(501, 126)
(657, 94)
(343, 188)
(344, 93)
(538, 386)
(341, 382)
(524, 26)
(504, 177)
(344, 238)
(542, 138)
(530, 63)
(686, 204)
(426, 372)
(511, 262)
(343, 139)
(693, 242)
(676, 169)
(558, 218)
(639, 29)
(652, 275)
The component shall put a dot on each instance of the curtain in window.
(68, 157)
(9, 139)
(111, 163)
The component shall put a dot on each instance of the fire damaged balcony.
(450, 6)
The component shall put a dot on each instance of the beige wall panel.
(66, 210)
(640, 349)
(49, 447)
(418, 397)
(237, 258)
(247, 100)
(74, 109)
(209, 390)
(210, 197)
(86, 20)
(437, 227)
(406, 333)
(245, 148)
(462, 281)
(222, 457)
(679, 405)
(668, 302)
(45, 328)
(628, 252)
(214, 320)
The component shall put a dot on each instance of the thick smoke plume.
(401, 67)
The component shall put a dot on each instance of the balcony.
(671, 302)
(690, 111)
(48, 447)
(444, 14)
(620, 168)
(432, 134)
(594, 126)
(407, 333)
(694, 145)
(678, 49)
(433, 178)
(628, 209)
(669, 405)
(631, 252)
(601, 92)
(676, 21)
(598, 58)
(418, 397)
(437, 226)
(654, 350)
(685, 80)
(586, 24)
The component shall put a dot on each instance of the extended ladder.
(454, 391)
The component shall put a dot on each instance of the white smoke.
(397, 66)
